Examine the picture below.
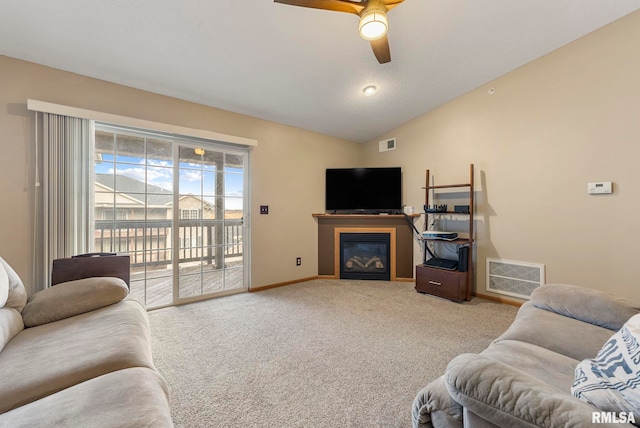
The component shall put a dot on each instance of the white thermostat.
(600, 187)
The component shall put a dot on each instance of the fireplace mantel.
(364, 216)
(329, 225)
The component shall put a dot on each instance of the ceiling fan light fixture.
(373, 24)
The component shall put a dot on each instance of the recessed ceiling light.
(369, 90)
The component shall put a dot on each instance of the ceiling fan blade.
(381, 49)
(334, 5)
(390, 4)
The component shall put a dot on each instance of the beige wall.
(287, 166)
(550, 127)
(569, 118)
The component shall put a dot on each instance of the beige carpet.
(315, 354)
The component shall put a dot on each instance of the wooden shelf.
(448, 186)
(443, 212)
(455, 285)
(447, 241)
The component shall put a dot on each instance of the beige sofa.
(77, 355)
(528, 376)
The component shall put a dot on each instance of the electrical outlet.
(264, 209)
(298, 261)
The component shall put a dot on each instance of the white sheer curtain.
(65, 189)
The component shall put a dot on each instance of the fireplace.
(331, 226)
(365, 256)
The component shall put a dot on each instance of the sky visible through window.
(196, 179)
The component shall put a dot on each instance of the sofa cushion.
(550, 367)
(584, 304)
(10, 325)
(43, 360)
(72, 298)
(135, 397)
(611, 381)
(17, 294)
(558, 333)
(10, 319)
(4, 286)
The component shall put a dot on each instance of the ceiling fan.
(373, 23)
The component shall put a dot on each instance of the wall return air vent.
(511, 278)
(386, 145)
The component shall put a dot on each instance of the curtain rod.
(46, 107)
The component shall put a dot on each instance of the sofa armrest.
(434, 407)
(584, 304)
(506, 396)
(73, 298)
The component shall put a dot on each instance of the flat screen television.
(363, 190)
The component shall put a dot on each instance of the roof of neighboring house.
(205, 203)
(136, 189)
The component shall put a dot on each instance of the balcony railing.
(149, 242)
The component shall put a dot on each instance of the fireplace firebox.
(365, 256)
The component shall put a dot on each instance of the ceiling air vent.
(516, 279)
(386, 145)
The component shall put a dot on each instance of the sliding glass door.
(177, 207)
(210, 222)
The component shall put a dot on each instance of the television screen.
(364, 189)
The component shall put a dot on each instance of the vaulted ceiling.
(297, 66)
